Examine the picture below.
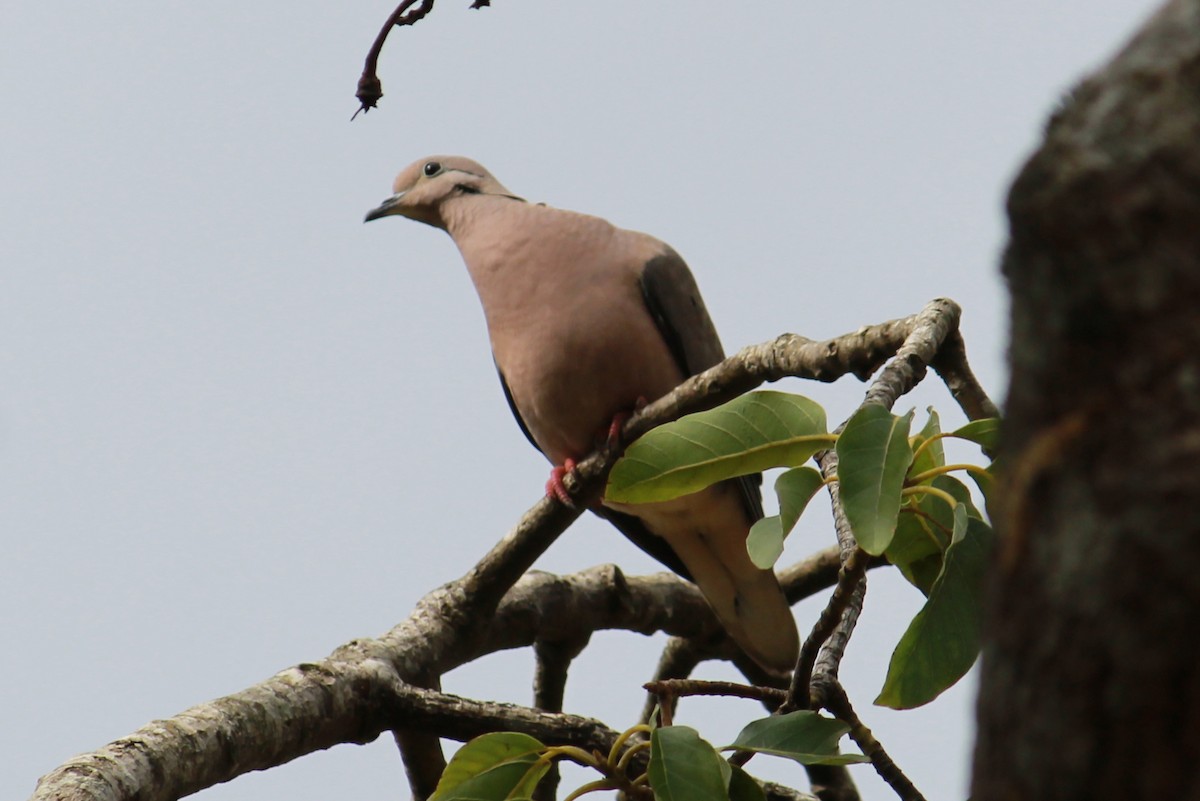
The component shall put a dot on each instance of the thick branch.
(859, 353)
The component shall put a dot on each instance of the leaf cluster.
(903, 503)
(682, 766)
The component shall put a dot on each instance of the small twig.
(800, 580)
(946, 469)
(851, 574)
(685, 687)
(370, 88)
(834, 646)
(927, 333)
(834, 699)
(679, 658)
(669, 691)
(666, 708)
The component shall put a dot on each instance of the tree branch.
(679, 658)
(831, 634)
(849, 582)
(838, 704)
(951, 364)
(928, 330)
(553, 662)
(367, 686)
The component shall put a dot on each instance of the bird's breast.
(568, 323)
(576, 360)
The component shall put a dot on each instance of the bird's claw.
(555, 487)
(612, 439)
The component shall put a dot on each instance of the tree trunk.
(1091, 674)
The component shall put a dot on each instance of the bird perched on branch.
(586, 322)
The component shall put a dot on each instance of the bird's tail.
(708, 533)
(746, 599)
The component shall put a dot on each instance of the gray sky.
(238, 428)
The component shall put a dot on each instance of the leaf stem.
(927, 443)
(575, 754)
(614, 754)
(927, 522)
(928, 490)
(934, 472)
(630, 752)
(591, 787)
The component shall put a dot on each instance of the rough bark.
(1090, 686)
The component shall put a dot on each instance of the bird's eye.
(432, 168)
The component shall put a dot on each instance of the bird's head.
(424, 186)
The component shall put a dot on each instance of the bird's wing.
(512, 405)
(674, 302)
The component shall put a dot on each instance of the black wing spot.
(670, 335)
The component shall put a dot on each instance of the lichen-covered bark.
(1091, 677)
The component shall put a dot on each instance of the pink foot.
(613, 438)
(555, 487)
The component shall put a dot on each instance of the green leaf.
(749, 434)
(987, 485)
(873, 458)
(804, 736)
(764, 543)
(960, 524)
(942, 641)
(984, 433)
(959, 490)
(934, 455)
(744, 788)
(916, 549)
(925, 530)
(684, 767)
(492, 767)
(795, 489)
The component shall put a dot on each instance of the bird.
(587, 322)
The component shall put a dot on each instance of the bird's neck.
(463, 214)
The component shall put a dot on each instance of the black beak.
(385, 209)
